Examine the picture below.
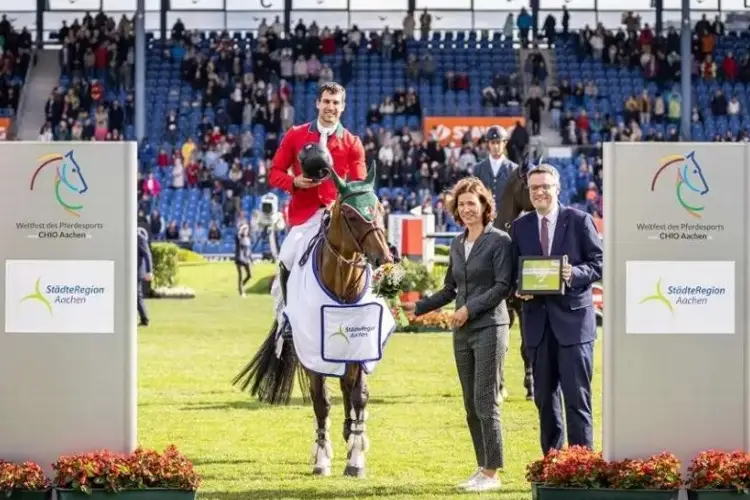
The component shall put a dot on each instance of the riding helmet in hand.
(315, 161)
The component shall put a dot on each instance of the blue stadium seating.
(617, 84)
(12, 80)
(375, 78)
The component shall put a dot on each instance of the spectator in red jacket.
(311, 198)
(729, 67)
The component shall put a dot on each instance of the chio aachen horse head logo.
(68, 182)
(690, 183)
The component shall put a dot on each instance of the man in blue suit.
(560, 330)
(145, 268)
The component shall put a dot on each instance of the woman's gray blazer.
(480, 282)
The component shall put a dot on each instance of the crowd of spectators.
(248, 88)
(15, 57)
(97, 55)
(658, 60)
(233, 166)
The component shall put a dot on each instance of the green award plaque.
(541, 276)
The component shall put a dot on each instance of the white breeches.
(294, 245)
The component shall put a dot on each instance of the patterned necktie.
(545, 237)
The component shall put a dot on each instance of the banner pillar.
(68, 350)
(676, 275)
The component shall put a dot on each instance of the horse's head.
(359, 214)
(516, 198)
(692, 175)
(71, 175)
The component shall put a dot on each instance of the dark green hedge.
(165, 264)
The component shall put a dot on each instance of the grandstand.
(15, 57)
(616, 84)
(412, 72)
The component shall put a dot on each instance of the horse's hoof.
(351, 471)
(321, 471)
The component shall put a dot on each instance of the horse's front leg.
(322, 451)
(354, 389)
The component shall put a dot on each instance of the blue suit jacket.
(145, 261)
(571, 316)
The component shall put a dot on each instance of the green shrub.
(184, 255)
(443, 250)
(438, 274)
(417, 277)
(165, 264)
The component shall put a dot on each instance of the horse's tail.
(271, 378)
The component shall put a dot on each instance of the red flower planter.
(714, 495)
(146, 494)
(546, 493)
(30, 495)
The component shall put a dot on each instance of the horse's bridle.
(359, 262)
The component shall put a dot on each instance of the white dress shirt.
(495, 164)
(325, 133)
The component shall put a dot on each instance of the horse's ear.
(371, 174)
(338, 181)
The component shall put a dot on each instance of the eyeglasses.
(541, 187)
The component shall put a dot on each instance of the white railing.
(439, 259)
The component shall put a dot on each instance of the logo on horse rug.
(327, 333)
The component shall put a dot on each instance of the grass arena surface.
(419, 443)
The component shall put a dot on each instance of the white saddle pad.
(328, 334)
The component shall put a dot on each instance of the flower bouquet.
(387, 282)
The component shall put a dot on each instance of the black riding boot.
(283, 278)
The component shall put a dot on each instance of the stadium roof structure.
(246, 15)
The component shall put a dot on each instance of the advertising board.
(449, 129)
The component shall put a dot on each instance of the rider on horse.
(309, 150)
(495, 170)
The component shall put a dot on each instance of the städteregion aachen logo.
(659, 298)
(38, 296)
(340, 333)
(69, 183)
(690, 182)
(63, 295)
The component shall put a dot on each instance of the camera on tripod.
(269, 208)
(267, 220)
(269, 216)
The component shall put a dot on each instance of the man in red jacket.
(313, 191)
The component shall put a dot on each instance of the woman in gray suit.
(479, 279)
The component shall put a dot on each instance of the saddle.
(286, 330)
